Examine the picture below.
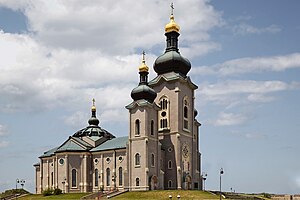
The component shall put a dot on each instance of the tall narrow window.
(96, 178)
(137, 127)
(74, 177)
(108, 177)
(120, 176)
(137, 159)
(185, 113)
(164, 113)
(170, 184)
(152, 127)
(137, 181)
(152, 160)
(52, 179)
(170, 164)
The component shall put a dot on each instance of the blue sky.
(56, 56)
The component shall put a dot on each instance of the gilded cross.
(93, 102)
(172, 8)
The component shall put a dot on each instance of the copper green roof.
(73, 145)
(49, 153)
(115, 143)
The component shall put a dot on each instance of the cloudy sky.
(55, 56)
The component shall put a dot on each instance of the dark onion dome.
(143, 91)
(93, 129)
(195, 113)
(171, 60)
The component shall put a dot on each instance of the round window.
(96, 160)
(107, 160)
(163, 114)
(61, 161)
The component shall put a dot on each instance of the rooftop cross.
(93, 102)
(172, 8)
(143, 56)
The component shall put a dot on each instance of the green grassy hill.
(60, 197)
(164, 194)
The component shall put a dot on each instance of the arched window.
(185, 113)
(170, 184)
(152, 160)
(96, 178)
(137, 127)
(137, 159)
(108, 177)
(164, 113)
(152, 127)
(170, 164)
(74, 177)
(137, 182)
(120, 176)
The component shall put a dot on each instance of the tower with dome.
(161, 150)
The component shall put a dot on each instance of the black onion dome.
(93, 129)
(172, 61)
(143, 91)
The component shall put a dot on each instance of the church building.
(161, 150)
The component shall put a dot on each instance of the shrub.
(57, 191)
(48, 192)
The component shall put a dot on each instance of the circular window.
(170, 149)
(107, 160)
(96, 161)
(120, 158)
(163, 114)
(61, 161)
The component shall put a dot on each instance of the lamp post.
(22, 181)
(63, 183)
(204, 175)
(221, 172)
(17, 181)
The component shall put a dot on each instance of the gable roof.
(115, 143)
(74, 144)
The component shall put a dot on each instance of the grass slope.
(164, 194)
(60, 197)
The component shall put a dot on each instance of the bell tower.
(177, 126)
(143, 145)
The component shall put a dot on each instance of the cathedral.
(161, 150)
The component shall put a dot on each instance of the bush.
(57, 191)
(266, 195)
(48, 192)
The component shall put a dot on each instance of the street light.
(204, 175)
(22, 181)
(221, 172)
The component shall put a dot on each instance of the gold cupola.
(93, 106)
(143, 67)
(172, 25)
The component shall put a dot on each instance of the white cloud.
(76, 49)
(4, 144)
(241, 90)
(228, 119)
(3, 130)
(244, 29)
(251, 65)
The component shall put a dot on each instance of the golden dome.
(143, 67)
(93, 107)
(172, 25)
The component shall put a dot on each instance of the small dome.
(93, 131)
(143, 91)
(172, 25)
(143, 67)
(172, 61)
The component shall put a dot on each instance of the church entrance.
(188, 182)
(153, 183)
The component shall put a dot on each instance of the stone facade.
(161, 150)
